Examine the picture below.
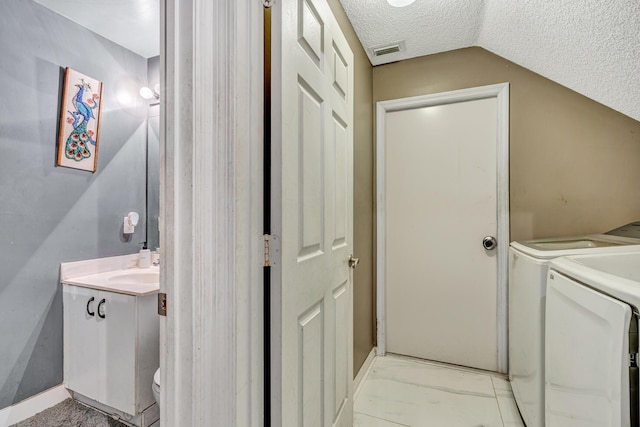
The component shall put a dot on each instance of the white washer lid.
(562, 246)
(156, 377)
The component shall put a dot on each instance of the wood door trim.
(211, 210)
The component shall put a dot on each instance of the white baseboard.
(33, 405)
(363, 372)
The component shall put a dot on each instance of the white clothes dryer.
(591, 334)
(528, 266)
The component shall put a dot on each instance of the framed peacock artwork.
(79, 128)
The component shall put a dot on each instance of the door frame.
(499, 91)
(211, 180)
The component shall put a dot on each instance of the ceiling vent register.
(387, 49)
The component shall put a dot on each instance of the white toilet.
(156, 386)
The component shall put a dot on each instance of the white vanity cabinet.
(111, 346)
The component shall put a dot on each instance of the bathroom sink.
(137, 277)
(129, 281)
(119, 274)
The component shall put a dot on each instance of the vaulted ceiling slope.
(590, 46)
(133, 24)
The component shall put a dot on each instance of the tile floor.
(400, 391)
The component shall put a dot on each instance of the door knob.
(489, 243)
(353, 262)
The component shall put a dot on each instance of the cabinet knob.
(101, 313)
(89, 312)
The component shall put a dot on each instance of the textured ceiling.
(134, 24)
(590, 46)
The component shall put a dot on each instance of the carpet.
(70, 413)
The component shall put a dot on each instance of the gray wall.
(153, 159)
(51, 214)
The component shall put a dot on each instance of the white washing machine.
(528, 266)
(591, 334)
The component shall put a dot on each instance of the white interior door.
(586, 356)
(441, 190)
(313, 64)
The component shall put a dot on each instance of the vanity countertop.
(114, 274)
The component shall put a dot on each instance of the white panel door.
(313, 215)
(441, 201)
(586, 357)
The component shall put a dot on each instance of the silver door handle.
(489, 243)
(353, 262)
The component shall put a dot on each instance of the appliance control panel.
(629, 230)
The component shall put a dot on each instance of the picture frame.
(79, 127)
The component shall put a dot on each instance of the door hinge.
(267, 3)
(267, 248)
(162, 304)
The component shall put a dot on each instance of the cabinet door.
(148, 357)
(80, 334)
(116, 344)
